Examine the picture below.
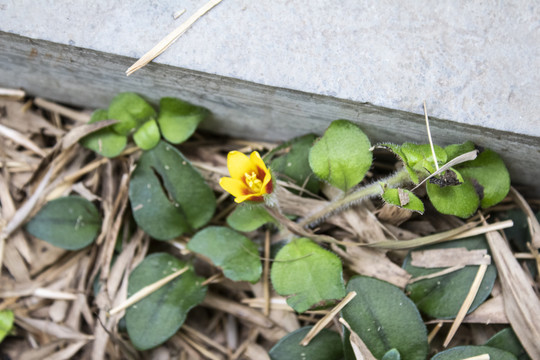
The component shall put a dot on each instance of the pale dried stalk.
(430, 139)
(199, 347)
(147, 290)
(437, 274)
(68, 352)
(434, 332)
(479, 357)
(325, 320)
(171, 38)
(521, 304)
(466, 303)
(15, 94)
(20, 139)
(443, 258)
(240, 311)
(194, 333)
(62, 110)
(54, 294)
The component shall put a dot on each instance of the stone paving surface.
(473, 62)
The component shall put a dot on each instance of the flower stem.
(399, 178)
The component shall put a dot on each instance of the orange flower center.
(253, 182)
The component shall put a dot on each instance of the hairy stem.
(399, 178)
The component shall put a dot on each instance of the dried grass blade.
(240, 311)
(147, 290)
(467, 302)
(77, 133)
(15, 94)
(325, 320)
(20, 139)
(78, 116)
(521, 303)
(53, 329)
(68, 352)
(361, 351)
(171, 38)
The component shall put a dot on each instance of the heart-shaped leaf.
(385, 319)
(178, 119)
(441, 297)
(70, 223)
(6, 323)
(465, 352)
(233, 252)
(158, 316)
(325, 346)
(459, 200)
(105, 141)
(342, 155)
(147, 136)
(130, 110)
(168, 196)
(420, 157)
(311, 276)
(248, 217)
(404, 199)
(455, 150)
(294, 165)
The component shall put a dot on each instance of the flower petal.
(238, 164)
(251, 197)
(234, 186)
(258, 162)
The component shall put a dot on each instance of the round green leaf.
(147, 136)
(441, 297)
(70, 223)
(168, 196)
(507, 340)
(130, 110)
(407, 200)
(158, 316)
(325, 346)
(464, 352)
(6, 323)
(385, 319)
(233, 252)
(310, 276)
(247, 218)
(178, 119)
(489, 171)
(294, 165)
(342, 155)
(104, 141)
(420, 157)
(459, 200)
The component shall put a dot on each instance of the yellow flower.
(250, 178)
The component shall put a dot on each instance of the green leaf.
(6, 323)
(158, 316)
(131, 111)
(420, 157)
(392, 354)
(309, 275)
(407, 200)
(147, 136)
(104, 141)
(168, 196)
(70, 223)
(459, 200)
(233, 252)
(178, 119)
(248, 217)
(490, 173)
(294, 165)
(507, 340)
(385, 319)
(325, 346)
(341, 157)
(455, 150)
(442, 296)
(464, 352)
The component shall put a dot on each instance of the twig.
(78, 116)
(171, 38)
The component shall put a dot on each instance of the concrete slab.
(473, 62)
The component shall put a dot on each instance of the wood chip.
(171, 38)
(437, 258)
